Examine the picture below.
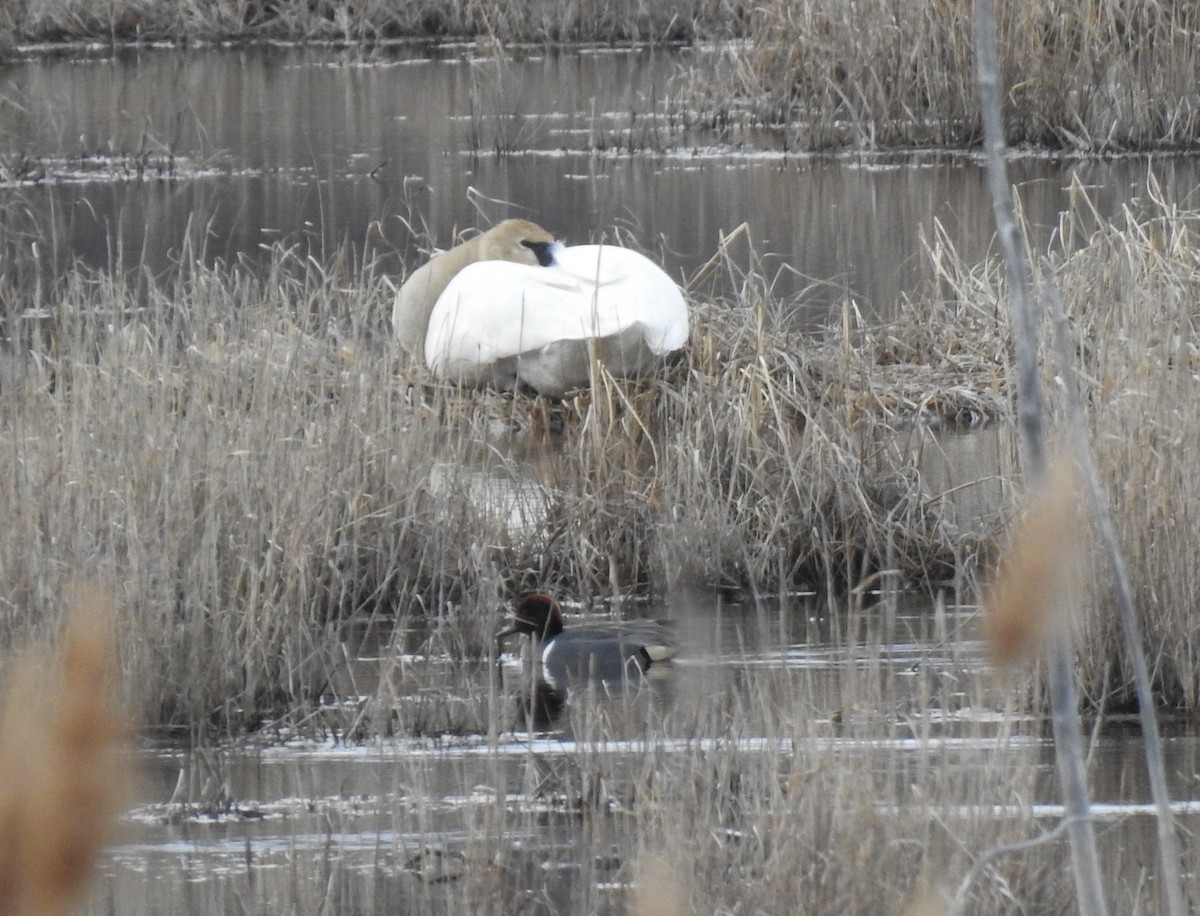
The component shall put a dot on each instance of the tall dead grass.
(374, 20)
(1130, 293)
(1128, 287)
(248, 459)
(246, 456)
(1092, 77)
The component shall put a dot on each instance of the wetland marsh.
(311, 543)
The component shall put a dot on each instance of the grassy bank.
(375, 20)
(1091, 77)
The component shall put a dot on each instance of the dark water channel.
(149, 156)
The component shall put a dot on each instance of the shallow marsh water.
(410, 823)
(545, 822)
(150, 156)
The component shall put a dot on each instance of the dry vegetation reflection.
(823, 74)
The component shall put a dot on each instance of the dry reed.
(1128, 292)
(657, 890)
(1126, 285)
(1031, 597)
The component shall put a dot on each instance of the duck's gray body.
(607, 652)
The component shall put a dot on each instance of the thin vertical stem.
(1064, 713)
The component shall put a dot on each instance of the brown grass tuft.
(62, 781)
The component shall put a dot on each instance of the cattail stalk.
(62, 781)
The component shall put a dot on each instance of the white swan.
(506, 322)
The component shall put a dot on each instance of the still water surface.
(140, 156)
(143, 153)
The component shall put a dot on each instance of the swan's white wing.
(628, 289)
(492, 310)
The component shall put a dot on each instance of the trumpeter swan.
(504, 320)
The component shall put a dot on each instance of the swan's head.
(518, 240)
(515, 240)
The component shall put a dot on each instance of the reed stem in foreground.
(1063, 701)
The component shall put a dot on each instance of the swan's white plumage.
(502, 322)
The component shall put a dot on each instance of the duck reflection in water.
(540, 706)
